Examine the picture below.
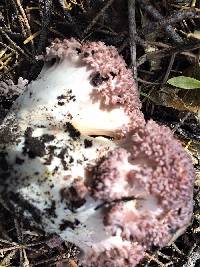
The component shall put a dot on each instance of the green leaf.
(184, 82)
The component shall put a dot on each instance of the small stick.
(172, 19)
(70, 20)
(46, 15)
(149, 9)
(169, 68)
(132, 35)
(96, 18)
(19, 49)
(25, 20)
(19, 17)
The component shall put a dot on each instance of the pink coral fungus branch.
(113, 86)
(152, 178)
(77, 152)
(9, 89)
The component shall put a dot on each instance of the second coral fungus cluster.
(79, 154)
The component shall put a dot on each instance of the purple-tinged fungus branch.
(77, 154)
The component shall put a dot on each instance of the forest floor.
(159, 40)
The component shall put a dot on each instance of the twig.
(46, 6)
(66, 13)
(19, 18)
(171, 50)
(172, 19)
(132, 35)
(184, 7)
(6, 260)
(193, 257)
(149, 9)
(13, 34)
(19, 49)
(154, 259)
(96, 18)
(169, 68)
(177, 249)
(64, 256)
(148, 82)
(24, 16)
(7, 242)
(19, 237)
(26, 261)
(178, 125)
(26, 23)
(7, 72)
(70, 20)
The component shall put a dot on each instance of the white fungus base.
(43, 108)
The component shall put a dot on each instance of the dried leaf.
(195, 35)
(182, 100)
